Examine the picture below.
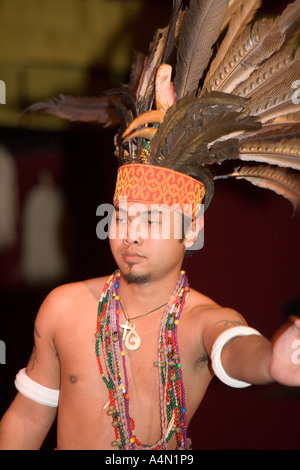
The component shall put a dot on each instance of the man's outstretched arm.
(250, 358)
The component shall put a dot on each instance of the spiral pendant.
(132, 339)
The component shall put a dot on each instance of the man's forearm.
(247, 358)
(14, 434)
(21, 429)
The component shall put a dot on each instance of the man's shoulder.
(202, 302)
(204, 305)
(207, 319)
(68, 295)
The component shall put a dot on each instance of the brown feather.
(288, 118)
(282, 152)
(277, 100)
(99, 109)
(136, 71)
(159, 51)
(245, 10)
(145, 90)
(252, 46)
(279, 130)
(288, 23)
(200, 29)
(231, 10)
(173, 28)
(280, 180)
(189, 103)
(273, 69)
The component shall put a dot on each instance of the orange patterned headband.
(158, 185)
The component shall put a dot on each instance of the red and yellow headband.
(159, 185)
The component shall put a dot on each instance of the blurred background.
(54, 174)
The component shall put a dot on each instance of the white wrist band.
(217, 350)
(34, 391)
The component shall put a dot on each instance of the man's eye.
(120, 220)
(153, 221)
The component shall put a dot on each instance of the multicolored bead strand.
(113, 369)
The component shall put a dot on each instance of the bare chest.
(82, 384)
(80, 353)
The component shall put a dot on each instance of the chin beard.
(131, 278)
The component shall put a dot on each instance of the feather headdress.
(232, 93)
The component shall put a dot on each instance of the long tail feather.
(254, 45)
(251, 47)
(279, 99)
(100, 109)
(280, 180)
(136, 71)
(233, 6)
(275, 130)
(288, 23)
(290, 118)
(283, 152)
(200, 29)
(272, 70)
(160, 49)
(173, 28)
(145, 90)
(242, 16)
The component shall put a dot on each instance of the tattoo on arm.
(231, 322)
(32, 360)
(37, 332)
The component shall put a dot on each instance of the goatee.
(131, 278)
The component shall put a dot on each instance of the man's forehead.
(140, 208)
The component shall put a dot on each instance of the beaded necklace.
(114, 373)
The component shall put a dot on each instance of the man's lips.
(131, 256)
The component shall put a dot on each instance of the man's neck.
(139, 298)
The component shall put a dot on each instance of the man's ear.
(193, 231)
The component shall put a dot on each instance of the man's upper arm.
(217, 321)
(26, 422)
(43, 365)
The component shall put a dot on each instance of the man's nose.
(133, 235)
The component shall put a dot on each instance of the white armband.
(34, 391)
(217, 350)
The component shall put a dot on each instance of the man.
(155, 342)
(64, 354)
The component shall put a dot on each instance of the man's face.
(146, 240)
